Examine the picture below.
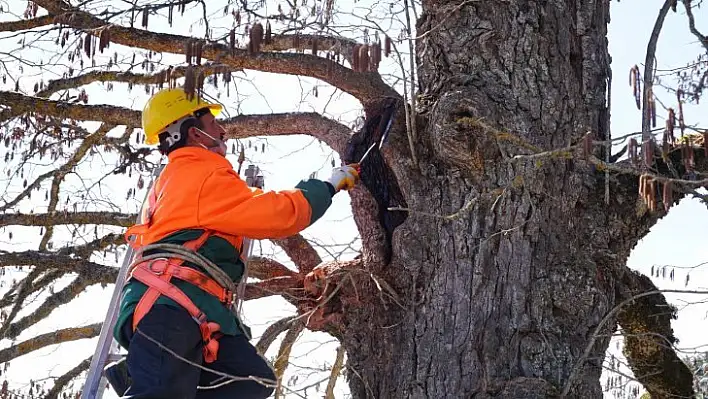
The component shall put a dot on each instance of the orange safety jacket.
(200, 190)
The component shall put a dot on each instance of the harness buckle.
(161, 267)
(200, 318)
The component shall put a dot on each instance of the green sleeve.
(318, 194)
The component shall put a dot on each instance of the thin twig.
(263, 381)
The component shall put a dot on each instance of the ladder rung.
(112, 357)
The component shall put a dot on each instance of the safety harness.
(158, 269)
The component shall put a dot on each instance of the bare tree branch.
(44, 260)
(111, 76)
(334, 374)
(285, 286)
(48, 339)
(649, 68)
(59, 218)
(300, 252)
(283, 358)
(367, 87)
(18, 103)
(11, 296)
(98, 244)
(692, 25)
(329, 131)
(25, 287)
(62, 381)
(55, 300)
(62, 171)
(272, 332)
(646, 326)
(125, 77)
(265, 268)
(25, 24)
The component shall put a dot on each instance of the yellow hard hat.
(168, 106)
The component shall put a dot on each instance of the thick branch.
(646, 326)
(59, 218)
(366, 87)
(19, 103)
(266, 268)
(272, 332)
(300, 252)
(43, 260)
(24, 24)
(649, 68)
(330, 131)
(48, 339)
(285, 286)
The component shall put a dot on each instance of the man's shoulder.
(196, 166)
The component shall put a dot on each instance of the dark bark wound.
(376, 176)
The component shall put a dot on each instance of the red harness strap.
(157, 273)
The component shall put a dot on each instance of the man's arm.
(228, 205)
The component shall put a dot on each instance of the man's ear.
(193, 133)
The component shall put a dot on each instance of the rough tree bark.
(502, 298)
(493, 275)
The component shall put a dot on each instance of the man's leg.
(154, 372)
(239, 358)
(117, 375)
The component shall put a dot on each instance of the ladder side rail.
(95, 384)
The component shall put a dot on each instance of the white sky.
(678, 239)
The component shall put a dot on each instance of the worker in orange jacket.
(181, 294)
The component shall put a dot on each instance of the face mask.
(217, 143)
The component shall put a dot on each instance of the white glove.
(344, 177)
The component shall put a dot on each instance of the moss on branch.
(19, 103)
(48, 339)
(60, 218)
(646, 326)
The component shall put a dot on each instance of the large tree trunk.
(502, 299)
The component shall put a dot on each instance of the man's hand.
(344, 177)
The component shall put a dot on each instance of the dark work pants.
(157, 374)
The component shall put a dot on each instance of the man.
(190, 237)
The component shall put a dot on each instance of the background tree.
(494, 225)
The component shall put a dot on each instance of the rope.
(214, 271)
